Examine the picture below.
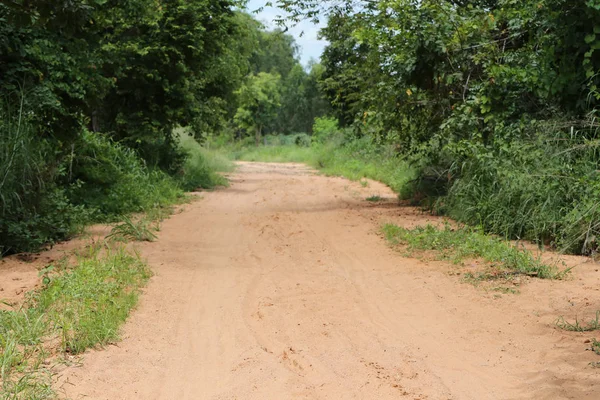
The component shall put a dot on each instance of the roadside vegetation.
(464, 243)
(79, 306)
(578, 325)
(334, 151)
(483, 111)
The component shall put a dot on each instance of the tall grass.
(111, 180)
(543, 188)
(34, 209)
(202, 168)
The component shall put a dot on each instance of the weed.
(466, 243)
(364, 183)
(595, 346)
(374, 198)
(81, 307)
(578, 326)
(129, 230)
(505, 290)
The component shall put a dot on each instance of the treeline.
(494, 102)
(91, 93)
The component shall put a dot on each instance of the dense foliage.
(90, 94)
(494, 101)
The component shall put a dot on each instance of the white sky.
(310, 46)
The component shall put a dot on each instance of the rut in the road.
(280, 287)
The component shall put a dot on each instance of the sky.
(310, 46)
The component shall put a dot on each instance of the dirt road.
(280, 287)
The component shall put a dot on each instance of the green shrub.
(34, 210)
(201, 167)
(542, 188)
(112, 180)
(324, 129)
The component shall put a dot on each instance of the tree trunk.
(258, 135)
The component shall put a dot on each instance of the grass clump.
(579, 326)
(78, 307)
(129, 229)
(374, 198)
(467, 243)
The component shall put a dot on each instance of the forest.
(484, 111)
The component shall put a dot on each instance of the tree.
(259, 101)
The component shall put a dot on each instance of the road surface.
(280, 287)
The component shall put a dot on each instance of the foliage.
(324, 129)
(91, 92)
(80, 307)
(34, 209)
(111, 180)
(201, 167)
(458, 244)
(493, 102)
(259, 99)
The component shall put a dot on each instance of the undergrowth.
(201, 168)
(459, 244)
(79, 307)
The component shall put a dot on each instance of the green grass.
(129, 229)
(466, 243)
(289, 153)
(579, 326)
(202, 167)
(374, 198)
(596, 346)
(79, 307)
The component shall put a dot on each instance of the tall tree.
(259, 101)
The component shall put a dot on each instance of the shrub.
(112, 180)
(200, 167)
(34, 209)
(324, 129)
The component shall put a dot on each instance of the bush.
(324, 129)
(34, 209)
(111, 180)
(201, 167)
(542, 186)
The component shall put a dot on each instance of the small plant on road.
(374, 198)
(458, 244)
(578, 326)
(132, 230)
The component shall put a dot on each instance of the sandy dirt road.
(280, 287)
